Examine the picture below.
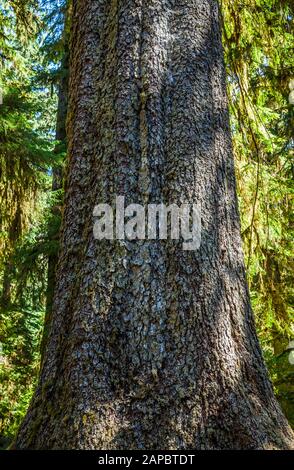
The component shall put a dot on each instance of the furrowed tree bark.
(151, 347)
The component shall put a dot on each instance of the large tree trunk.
(151, 347)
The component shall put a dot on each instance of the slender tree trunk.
(151, 347)
(57, 183)
(5, 300)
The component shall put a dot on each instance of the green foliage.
(27, 122)
(258, 39)
(19, 365)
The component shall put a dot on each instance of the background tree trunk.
(151, 347)
(57, 184)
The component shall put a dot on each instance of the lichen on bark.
(151, 347)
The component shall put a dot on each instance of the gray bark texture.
(151, 347)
